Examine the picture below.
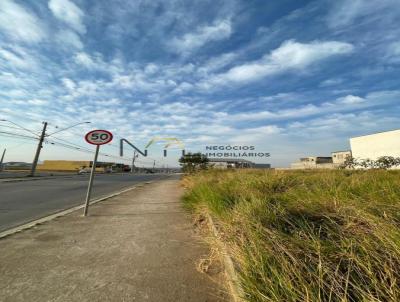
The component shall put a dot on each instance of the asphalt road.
(22, 202)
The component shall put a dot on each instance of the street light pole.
(39, 148)
(133, 161)
(89, 192)
(2, 158)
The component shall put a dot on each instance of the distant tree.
(367, 163)
(387, 162)
(349, 163)
(383, 162)
(192, 162)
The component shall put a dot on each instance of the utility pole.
(133, 161)
(39, 148)
(2, 158)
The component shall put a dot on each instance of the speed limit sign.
(95, 137)
(99, 137)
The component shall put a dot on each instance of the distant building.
(262, 166)
(70, 165)
(235, 163)
(227, 163)
(14, 165)
(339, 157)
(313, 162)
(371, 146)
(375, 145)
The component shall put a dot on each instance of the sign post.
(98, 138)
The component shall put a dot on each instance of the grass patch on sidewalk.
(307, 235)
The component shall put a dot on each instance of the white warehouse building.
(373, 146)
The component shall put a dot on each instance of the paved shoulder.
(138, 246)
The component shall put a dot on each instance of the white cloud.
(95, 61)
(68, 39)
(393, 53)
(16, 57)
(217, 63)
(329, 126)
(84, 59)
(351, 99)
(347, 103)
(331, 82)
(34, 102)
(183, 87)
(37, 102)
(291, 55)
(346, 12)
(19, 23)
(69, 84)
(15, 93)
(108, 103)
(220, 30)
(68, 12)
(83, 88)
(253, 135)
(151, 68)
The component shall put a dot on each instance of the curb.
(233, 280)
(63, 212)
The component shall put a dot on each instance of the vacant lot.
(307, 235)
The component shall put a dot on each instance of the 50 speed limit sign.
(99, 137)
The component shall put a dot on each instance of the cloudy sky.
(291, 77)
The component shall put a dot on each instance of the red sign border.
(108, 132)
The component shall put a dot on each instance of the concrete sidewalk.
(138, 246)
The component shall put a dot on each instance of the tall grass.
(307, 235)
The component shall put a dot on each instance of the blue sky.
(291, 77)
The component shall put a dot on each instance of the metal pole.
(2, 158)
(133, 162)
(89, 191)
(39, 148)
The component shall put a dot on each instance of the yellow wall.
(64, 165)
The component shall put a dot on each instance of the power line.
(76, 147)
(150, 161)
(70, 145)
(19, 126)
(12, 127)
(83, 149)
(10, 134)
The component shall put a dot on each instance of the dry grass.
(307, 235)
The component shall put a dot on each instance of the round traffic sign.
(99, 137)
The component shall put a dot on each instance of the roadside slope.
(306, 235)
